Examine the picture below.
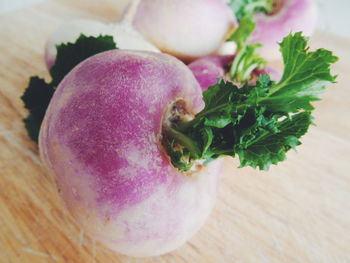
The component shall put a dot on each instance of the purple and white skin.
(101, 141)
(187, 29)
(123, 33)
(209, 69)
(288, 16)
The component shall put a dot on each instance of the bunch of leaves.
(38, 94)
(260, 122)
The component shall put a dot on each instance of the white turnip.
(187, 29)
(123, 33)
(101, 139)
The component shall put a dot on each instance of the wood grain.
(297, 212)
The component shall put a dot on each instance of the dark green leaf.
(216, 95)
(36, 99)
(266, 147)
(32, 123)
(219, 120)
(207, 137)
(71, 54)
(38, 94)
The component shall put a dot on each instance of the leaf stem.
(185, 141)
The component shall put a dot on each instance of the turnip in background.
(208, 70)
(285, 17)
(101, 140)
(123, 34)
(288, 16)
(187, 29)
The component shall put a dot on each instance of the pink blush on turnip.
(208, 70)
(289, 16)
(101, 140)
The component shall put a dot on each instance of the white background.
(334, 15)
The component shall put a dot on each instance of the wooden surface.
(297, 212)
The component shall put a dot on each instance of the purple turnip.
(101, 139)
(208, 70)
(134, 150)
(288, 16)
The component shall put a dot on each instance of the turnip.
(101, 140)
(287, 16)
(187, 29)
(134, 147)
(208, 70)
(123, 34)
(192, 29)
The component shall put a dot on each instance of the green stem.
(267, 5)
(236, 63)
(185, 141)
(223, 152)
(185, 125)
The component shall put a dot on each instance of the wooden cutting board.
(299, 211)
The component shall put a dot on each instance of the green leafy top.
(260, 122)
(305, 76)
(38, 94)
